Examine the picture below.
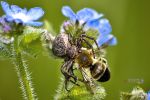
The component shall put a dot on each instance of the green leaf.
(48, 26)
(33, 49)
(29, 41)
(92, 33)
(30, 34)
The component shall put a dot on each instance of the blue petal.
(107, 39)
(9, 19)
(113, 41)
(2, 21)
(35, 13)
(16, 9)
(104, 27)
(148, 95)
(34, 23)
(6, 8)
(93, 23)
(88, 14)
(18, 21)
(6, 28)
(24, 11)
(67, 11)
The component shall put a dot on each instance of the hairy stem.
(22, 73)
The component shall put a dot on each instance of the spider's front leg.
(91, 38)
(67, 71)
(90, 47)
(83, 39)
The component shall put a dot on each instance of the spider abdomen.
(60, 45)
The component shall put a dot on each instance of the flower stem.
(22, 73)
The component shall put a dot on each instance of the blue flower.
(5, 27)
(105, 37)
(148, 95)
(18, 15)
(85, 16)
(92, 19)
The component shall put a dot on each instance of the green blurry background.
(129, 60)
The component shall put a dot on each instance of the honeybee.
(98, 67)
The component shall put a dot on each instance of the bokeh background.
(129, 60)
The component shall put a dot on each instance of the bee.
(98, 67)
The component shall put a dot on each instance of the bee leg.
(90, 46)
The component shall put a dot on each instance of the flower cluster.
(15, 19)
(5, 28)
(18, 15)
(89, 18)
(86, 17)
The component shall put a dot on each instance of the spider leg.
(74, 83)
(89, 46)
(67, 71)
(70, 39)
(78, 43)
(71, 74)
(104, 46)
(66, 84)
(91, 38)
